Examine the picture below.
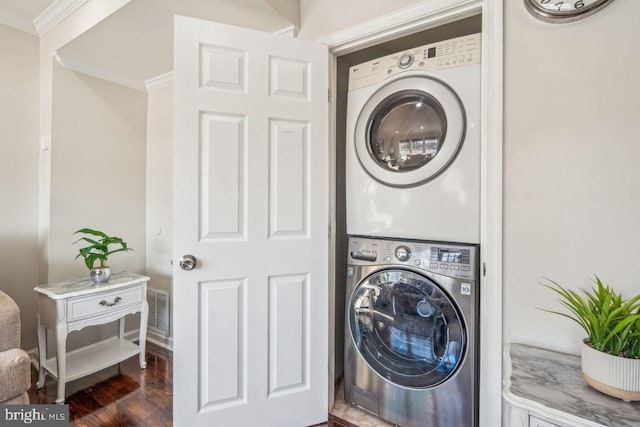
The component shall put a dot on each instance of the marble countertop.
(73, 288)
(542, 380)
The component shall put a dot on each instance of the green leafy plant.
(99, 248)
(611, 322)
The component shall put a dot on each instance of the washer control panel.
(451, 53)
(455, 260)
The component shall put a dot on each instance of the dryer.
(413, 144)
(411, 331)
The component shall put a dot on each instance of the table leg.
(144, 315)
(121, 328)
(42, 352)
(61, 358)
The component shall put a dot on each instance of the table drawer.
(101, 303)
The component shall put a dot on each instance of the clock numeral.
(559, 5)
(579, 4)
(544, 1)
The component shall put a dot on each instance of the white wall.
(97, 170)
(571, 156)
(322, 17)
(19, 254)
(160, 188)
(62, 33)
(98, 177)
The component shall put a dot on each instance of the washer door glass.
(407, 130)
(406, 328)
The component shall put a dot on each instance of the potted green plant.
(611, 352)
(99, 250)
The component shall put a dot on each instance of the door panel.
(289, 342)
(223, 68)
(223, 183)
(251, 203)
(289, 194)
(223, 356)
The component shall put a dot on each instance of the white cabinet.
(70, 306)
(519, 416)
(544, 388)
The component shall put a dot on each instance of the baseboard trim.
(157, 339)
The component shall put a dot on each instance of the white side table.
(70, 306)
(543, 388)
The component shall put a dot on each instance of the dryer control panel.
(454, 260)
(451, 53)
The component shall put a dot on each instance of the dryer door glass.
(406, 130)
(409, 131)
(406, 328)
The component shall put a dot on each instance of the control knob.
(403, 253)
(405, 60)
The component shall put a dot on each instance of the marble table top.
(550, 380)
(73, 288)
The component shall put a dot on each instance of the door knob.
(188, 262)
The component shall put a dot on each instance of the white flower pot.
(616, 376)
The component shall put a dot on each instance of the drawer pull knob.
(104, 303)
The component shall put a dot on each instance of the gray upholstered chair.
(15, 367)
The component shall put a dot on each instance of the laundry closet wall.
(571, 156)
(322, 17)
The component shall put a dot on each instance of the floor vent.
(158, 311)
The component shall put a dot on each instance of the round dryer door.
(410, 131)
(406, 328)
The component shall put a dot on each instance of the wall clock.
(556, 11)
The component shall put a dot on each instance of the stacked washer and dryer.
(413, 219)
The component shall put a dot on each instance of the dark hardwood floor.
(123, 395)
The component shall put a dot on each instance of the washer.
(413, 143)
(411, 331)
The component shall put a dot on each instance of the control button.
(405, 60)
(455, 267)
(464, 268)
(433, 265)
(444, 266)
(387, 259)
(417, 262)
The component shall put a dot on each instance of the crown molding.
(159, 82)
(56, 12)
(16, 21)
(99, 73)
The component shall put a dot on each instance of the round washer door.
(406, 328)
(410, 131)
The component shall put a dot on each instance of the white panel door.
(251, 204)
